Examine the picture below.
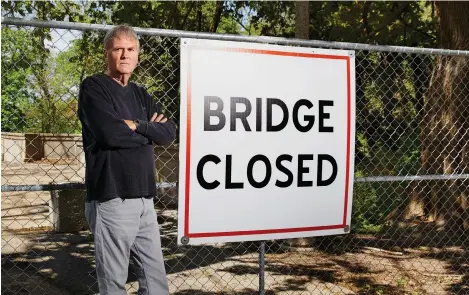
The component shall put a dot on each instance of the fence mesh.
(409, 236)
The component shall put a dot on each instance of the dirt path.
(67, 261)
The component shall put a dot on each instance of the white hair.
(118, 31)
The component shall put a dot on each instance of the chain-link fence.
(410, 215)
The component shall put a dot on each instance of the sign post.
(267, 137)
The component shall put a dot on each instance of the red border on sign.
(188, 149)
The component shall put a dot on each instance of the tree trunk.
(217, 16)
(445, 124)
(302, 20)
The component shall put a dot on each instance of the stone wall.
(19, 148)
(31, 147)
(13, 147)
(61, 146)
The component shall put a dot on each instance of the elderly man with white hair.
(120, 123)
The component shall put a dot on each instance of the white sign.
(267, 137)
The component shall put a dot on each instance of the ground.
(36, 260)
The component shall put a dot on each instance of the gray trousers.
(125, 229)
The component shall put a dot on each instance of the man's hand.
(158, 119)
(131, 124)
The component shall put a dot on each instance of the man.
(120, 124)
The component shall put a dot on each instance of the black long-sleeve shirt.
(119, 161)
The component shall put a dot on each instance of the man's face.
(122, 55)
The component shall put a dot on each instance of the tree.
(445, 126)
(302, 19)
(45, 106)
(17, 92)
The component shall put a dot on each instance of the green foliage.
(38, 94)
(17, 92)
(373, 203)
(364, 217)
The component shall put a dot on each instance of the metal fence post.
(261, 268)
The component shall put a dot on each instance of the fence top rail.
(81, 185)
(230, 37)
